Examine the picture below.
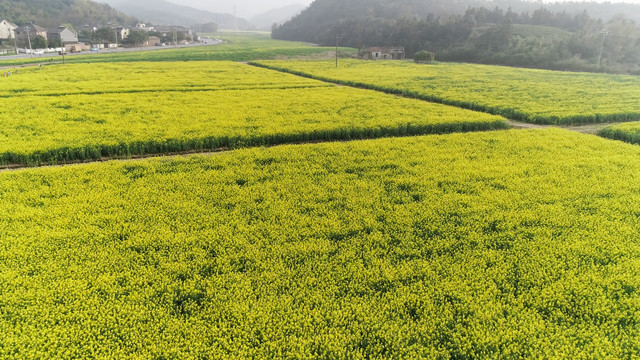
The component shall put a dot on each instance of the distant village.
(34, 39)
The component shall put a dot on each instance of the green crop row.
(515, 244)
(535, 96)
(132, 109)
(629, 132)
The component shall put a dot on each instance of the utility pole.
(116, 31)
(64, 50)
(15, 43)
(604, 33)
(337, 37)
(29, 38)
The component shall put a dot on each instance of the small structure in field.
(383, 53)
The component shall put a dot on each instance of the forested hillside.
(541, 38)
(49, 13)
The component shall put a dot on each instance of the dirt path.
(583, 128)
(587, 128)
(521, 125)
(28, 65)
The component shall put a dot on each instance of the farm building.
(383, 53)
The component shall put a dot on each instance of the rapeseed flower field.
(512, 244)
(535, 96)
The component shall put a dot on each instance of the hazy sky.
(249, 8)
(245, 8)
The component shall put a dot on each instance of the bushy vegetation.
(423, 57)
(52, 13)
(629, 132)
(536, 96)
(77, 112)
(518, 244)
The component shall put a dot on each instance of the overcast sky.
(245, 8)
(249, 8)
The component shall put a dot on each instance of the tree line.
(538, 39)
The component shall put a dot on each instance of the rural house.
(64, 34)
(31, 30)
(171, 29)
(123, 32)
(7, 30)
(153, 41)
(383, 53)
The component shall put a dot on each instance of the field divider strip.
(177, 147)
(138, 91)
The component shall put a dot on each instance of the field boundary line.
(144, 91)
(189, 152)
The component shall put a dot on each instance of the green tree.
(498, 36)
(137, 37)
(621, 41)
(423, 57)
(55, 43)
(39, 42)
(104, 34)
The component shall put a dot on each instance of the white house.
(123, 32)
(7, 30)
(383, 53)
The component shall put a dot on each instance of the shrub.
(423, 57)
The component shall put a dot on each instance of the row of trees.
(136, 36)
(110, 35)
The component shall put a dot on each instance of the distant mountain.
(164, 12)
(242, 8)
(281, 15)
(52, 13)
(323, 15)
